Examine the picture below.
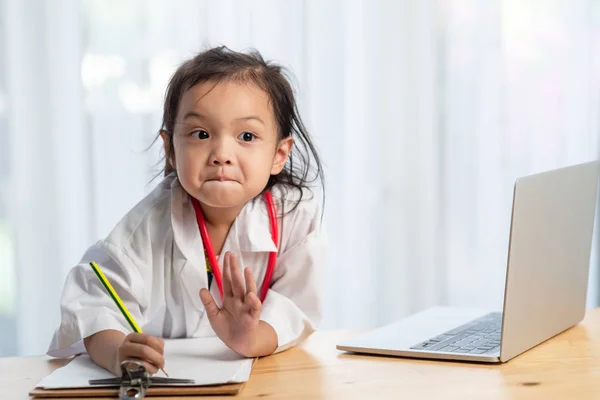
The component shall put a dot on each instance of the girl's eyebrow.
(195, 114)
(251, 117)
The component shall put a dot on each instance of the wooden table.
(566, 367)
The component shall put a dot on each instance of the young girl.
(230, 243)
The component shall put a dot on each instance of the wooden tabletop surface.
(565, 367)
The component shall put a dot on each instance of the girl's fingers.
(212, 310)
(142, 352)
(253, 301)
(151, 368)
(237, 281)
(156, 343)
(250, 283)
(135, 337)
(227, 292)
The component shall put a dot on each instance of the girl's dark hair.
(222, 64)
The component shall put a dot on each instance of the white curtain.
(424, 111)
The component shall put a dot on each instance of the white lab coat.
(154, 259)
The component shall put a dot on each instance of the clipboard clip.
(135, 380)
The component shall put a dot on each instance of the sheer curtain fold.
(49, 184)
(425, 112)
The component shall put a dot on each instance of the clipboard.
(228, 389)
(135, 384)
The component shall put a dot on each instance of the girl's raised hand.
(236, 321)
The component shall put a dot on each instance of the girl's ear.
(284, 148)
(166, 146)
(165, 137)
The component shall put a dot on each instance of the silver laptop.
(546, 280)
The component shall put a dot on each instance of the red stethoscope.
(212, 257)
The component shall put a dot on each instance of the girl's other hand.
(143, 347)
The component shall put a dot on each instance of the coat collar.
(250, 232)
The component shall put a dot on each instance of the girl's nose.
(221, 154)
(221, 161)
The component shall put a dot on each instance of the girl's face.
(226, 143)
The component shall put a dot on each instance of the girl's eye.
(200, 134)
(247, 136)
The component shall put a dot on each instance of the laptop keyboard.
(480, 336)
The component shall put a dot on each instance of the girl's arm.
(86, 308)
(293, 303)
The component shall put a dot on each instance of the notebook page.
(205, 360)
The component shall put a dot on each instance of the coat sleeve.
(86, 307)
(293, 302)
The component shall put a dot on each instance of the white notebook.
(205, 360)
